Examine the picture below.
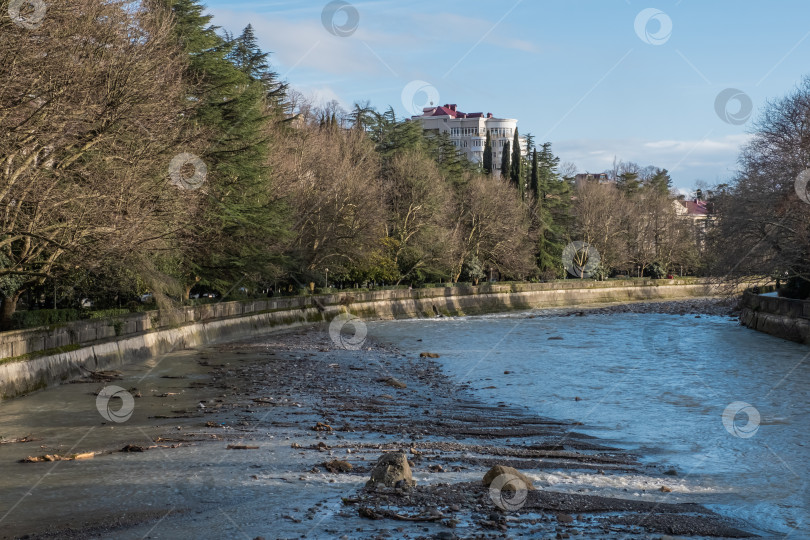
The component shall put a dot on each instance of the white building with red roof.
(695, 209)
(468, 131)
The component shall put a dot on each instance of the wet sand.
(296, 401)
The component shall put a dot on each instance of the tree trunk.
(7, 308)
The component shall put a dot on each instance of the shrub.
(48, 317)
(43, 317)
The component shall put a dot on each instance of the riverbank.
(785, 318)
(271, 393)
(35, 359)
(722, 307)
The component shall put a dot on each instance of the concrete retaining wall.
(214, 323)
(24, 342)
(781, 317)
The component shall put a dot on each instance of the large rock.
(391, 470)
(508, 483)
(390, 381)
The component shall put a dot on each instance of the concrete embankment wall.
(781, 317)
(106, 345)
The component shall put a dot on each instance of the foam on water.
(624, 485)
(654, 384)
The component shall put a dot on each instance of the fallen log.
(27, 438)
(57, 457)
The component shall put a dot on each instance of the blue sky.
(587, 75)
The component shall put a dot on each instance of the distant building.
(698, 212)
(695, 209)
(468, 131)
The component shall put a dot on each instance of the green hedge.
(48, 317)
(43, 317)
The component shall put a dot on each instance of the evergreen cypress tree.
(488, 155)
(515, 171)
(506, 162)
(534, 180)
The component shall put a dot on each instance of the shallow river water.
(656, 384)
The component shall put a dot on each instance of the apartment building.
(468, 131)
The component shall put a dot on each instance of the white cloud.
(304, 43)
(468, 30)
(687, 160)
(321, 95)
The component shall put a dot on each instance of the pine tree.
(629, 182)
(529, 141)
(547, 169)
(362, 116)
(552, 211)
(506, 162)
(392, 136)
(452, 162)
(251, 60)
(381, 127)
(488, 155)
(247, 56)
(515, 171)
(660, 182)
(238, 216)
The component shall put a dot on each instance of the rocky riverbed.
(277, 438)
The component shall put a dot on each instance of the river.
(655, 384)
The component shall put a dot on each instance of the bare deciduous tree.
(493, 226)
(764, 226)
(91, 102)
(419, 202)
(331, 179)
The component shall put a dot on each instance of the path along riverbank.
(276, 436)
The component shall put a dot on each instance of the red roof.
(444, 111)
(695, 207)
(450, 110)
